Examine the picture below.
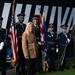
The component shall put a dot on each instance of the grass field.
(71, 71)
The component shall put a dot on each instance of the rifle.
(60, 60)
(63, 55)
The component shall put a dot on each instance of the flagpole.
(13, 12)
(14, 38)
(13, 6)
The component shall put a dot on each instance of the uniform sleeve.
(36, 45)
(24, 45)
(5, 37)
(73, 33)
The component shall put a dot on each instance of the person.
(20, 26)
(63, 42)
(52, 42)
(73, 37)
(35, 21)
(29, 46)
(3, 48)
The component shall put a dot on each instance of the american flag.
(41, 30)
(14, 39)
(44, 43)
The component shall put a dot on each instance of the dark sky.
(46, 2)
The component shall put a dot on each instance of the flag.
(41, 30)
(46, 43)
(14, 39)
(42, 41)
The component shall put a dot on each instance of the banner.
(57, 12)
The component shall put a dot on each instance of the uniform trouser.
(3, 61)
(21, 59)
(52, 56)
(74, 52)
(30, 66)
(21, 65)
(60, 54)
(38, 66)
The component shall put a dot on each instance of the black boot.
(73, 66)
(61, 68)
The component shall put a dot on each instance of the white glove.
(1, 45)
(68, 40)
(39, 43)
(57, 50)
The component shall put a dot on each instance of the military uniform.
(52, 39)
(37, 34)
(3, 51)
(21, 60)
(64, 39)
(73, 37)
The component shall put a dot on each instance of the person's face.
(30, 28)
(35, 22)
(0, 24)
(21, 20)
(64, 30)
(51, 29)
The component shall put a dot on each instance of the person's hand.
(57, 50)
(39, 43)
(1, 45)
(68, 40)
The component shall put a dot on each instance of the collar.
(64, 33)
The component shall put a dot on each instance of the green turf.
(71, 71)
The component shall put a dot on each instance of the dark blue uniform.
(20, 29)
(3, 52)
(39, 55)
(52, 39)
(37, 34)
(62, 42)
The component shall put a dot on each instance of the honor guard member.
(52, 38)
(73, 37)
(20, 26)
(63, 41)
(35, 20)
(3, 49)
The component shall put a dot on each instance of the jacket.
(29, 46)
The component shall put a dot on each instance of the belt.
(19, 36)
(51, 42)
(52, 48)
(37, 38)
(63, 44)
